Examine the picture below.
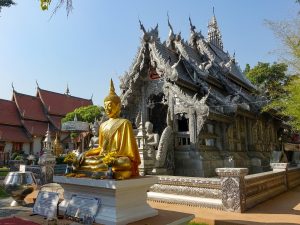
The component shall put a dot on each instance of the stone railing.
(263, 186)
(234, 190)
(195, 191)
(241, 192)
(293, 177)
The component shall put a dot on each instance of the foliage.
(73, 135)
(4, 171)
(289, 34)
(110, 158)
(70, 158)
(19, 157)
(247, 69)
(60, 159)
(3, 194)
(6, 3)
(86, 114)
(195, 223)
(69, 5)
(269, 78)
(289, 104)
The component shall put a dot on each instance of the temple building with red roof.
(25, 119)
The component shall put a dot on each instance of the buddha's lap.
(123, 163)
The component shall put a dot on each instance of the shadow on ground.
(241, 222)
(286, 203)
(165, 217)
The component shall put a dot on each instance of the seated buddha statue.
(115, 134)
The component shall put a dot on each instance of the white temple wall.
(26, 148)
(37, 145)
(8, 147)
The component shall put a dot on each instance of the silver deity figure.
(94, 142)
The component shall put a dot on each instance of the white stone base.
(122, 201)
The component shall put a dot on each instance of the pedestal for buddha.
(122, 201)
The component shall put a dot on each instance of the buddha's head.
(112, 103)
(149, 127)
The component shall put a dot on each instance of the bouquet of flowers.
(70, 158)
(110, 158)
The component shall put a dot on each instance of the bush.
(19, 157)
(14, 155)
(60, 159)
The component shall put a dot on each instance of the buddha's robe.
(117, 135)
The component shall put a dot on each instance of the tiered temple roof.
(10, 123)
(199, 65)
(28, 116)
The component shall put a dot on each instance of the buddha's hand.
(81, 158)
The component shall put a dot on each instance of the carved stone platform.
(122, 201)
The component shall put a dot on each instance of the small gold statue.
(57, 148)
(115, 134)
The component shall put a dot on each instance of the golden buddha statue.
(115, 134)
(57, 148)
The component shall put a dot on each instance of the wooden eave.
(220, 117)
(246, 113)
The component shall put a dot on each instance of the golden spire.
(112, 88)
(112, 96)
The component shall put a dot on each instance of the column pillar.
(233, 188)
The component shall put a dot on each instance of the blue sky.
(99, 39)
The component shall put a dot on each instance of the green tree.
(86, 114)
(6, 3)
(247, 69)
(269, 78)
(289, 103)
(69, 5)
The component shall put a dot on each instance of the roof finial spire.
(214, 34)
(12, 85)
(191, 25)
(169, 24)
(142, 27)
(37, 84)
(67, 90)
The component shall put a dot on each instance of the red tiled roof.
(30, 107)
(56, 121)
(13, 134)
(9, 114)
(35, 128)
(61, 104)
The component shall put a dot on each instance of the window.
(183, 123)
(17, 147)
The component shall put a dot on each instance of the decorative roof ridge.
(199, 68)
(6, 100)
(18, 93)
(39, 89)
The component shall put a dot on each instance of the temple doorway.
(158, 112)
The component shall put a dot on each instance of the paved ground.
(281, 210)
